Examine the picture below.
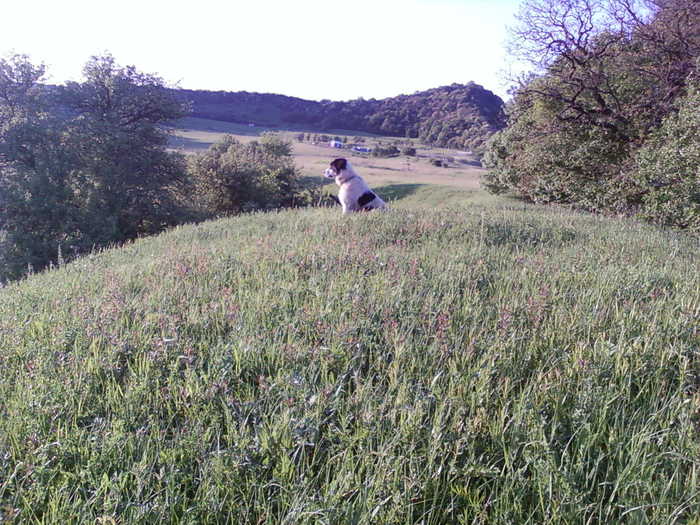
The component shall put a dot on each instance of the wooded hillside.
(458, 116)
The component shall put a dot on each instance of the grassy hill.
(473, 361)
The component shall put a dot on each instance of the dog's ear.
(339, 165)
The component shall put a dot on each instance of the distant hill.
(459, 116)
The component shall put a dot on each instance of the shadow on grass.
(394, 192)
(385, 168)
(474, 163)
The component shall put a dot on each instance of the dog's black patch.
(339, 165)
(366, 198)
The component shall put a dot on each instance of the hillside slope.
(457, 116)
(471, 364)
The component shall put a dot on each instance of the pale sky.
(311, 49)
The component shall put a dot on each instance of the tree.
(606, 75)
(82, 165)
(127, 177)
(666, 170)
(613, 64)
(36, 208)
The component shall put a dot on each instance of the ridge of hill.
(459, 116)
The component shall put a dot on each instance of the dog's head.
(338, 168)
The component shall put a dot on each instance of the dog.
(354, 194)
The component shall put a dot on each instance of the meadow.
(460, 359)
(194, 135)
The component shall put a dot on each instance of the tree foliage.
(83, 165)
(459, 116)
(87, 165)
(232, 177)
(666, 169)
(609, 73)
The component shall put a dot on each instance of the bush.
(232, 177)
(385, 151)
(667, 168)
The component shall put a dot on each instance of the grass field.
(194, 134)
(458, 359)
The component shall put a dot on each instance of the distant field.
(194, 134)
(197, 134)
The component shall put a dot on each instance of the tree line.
(457, 116)
(609, 118)
(87, 165)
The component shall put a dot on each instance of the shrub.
(385, 151)
(667, 168)
(232, 177)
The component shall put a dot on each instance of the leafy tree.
(82, 165)
(127, 177)
(613, 64)
(608, 74)
(666, 172)
(36, 209)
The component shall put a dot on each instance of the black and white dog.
(354, 194)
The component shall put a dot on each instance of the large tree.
(84, 164)
(126, 172)
(604, 76)
(36, 212)
(615, 64)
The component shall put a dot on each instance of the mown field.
(458, 359)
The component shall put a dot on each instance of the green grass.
(479, 362)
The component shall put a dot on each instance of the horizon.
(311, 50)
(332, 100)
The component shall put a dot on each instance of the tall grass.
(478, 364)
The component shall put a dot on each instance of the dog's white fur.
(352, 187)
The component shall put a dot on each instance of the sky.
(311, 49)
